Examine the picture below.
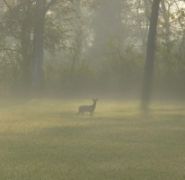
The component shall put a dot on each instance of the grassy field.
(46, 140)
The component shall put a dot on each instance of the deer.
(88, 108)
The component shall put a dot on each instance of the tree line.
(91, 45)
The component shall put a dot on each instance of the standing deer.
(88, 108)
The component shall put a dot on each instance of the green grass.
(46, 140)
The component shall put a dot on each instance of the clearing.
(46, 140)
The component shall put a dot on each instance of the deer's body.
(88, 108)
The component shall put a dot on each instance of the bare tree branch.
(179, 20)
(7, 5)
(50, 4)
(9, 49)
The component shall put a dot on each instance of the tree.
(38, 40)
(26, 24)
(41, 8)
(29, 19)
(106, 31)
(150, 56)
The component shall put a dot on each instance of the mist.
(89, 49)
(80, 76)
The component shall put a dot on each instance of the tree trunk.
(182, 45)
(150, 56)
(38, 45)
(78, 40)
(166, 17)
(107, 27)
(26, 50)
